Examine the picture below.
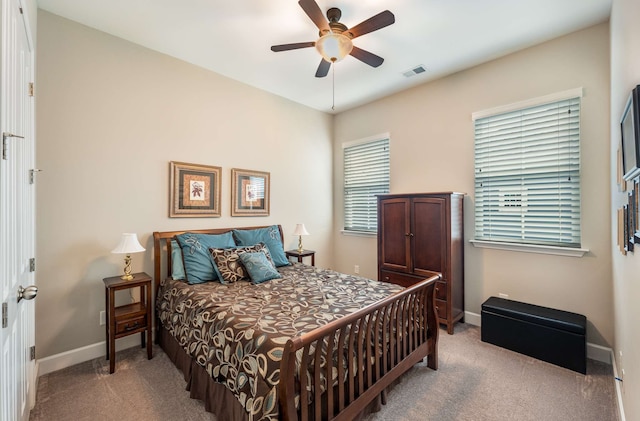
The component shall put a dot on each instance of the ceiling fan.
(335, 38)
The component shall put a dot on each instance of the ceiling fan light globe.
(334, 47)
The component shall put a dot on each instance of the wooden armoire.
(419, 234)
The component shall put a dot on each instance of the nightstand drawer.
(129, 325)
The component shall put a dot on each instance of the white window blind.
(366, 174)
(527, 175)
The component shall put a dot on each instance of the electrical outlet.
(103, 318)
(501, 295)
(356, 269)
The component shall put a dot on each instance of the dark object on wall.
(420, 235)
(630, 129)
(554, 336)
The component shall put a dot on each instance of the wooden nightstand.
(301, 254)
(130, 318)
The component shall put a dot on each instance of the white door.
(17, 216)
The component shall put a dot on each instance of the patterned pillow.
(260, 269)
(270, 236)
(228, 265)
(197, 261)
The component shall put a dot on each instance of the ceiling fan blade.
(366, 57)
(312, 10)
(295, 46)
(323, 68)
(374, 23)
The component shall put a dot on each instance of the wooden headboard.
(162, 248)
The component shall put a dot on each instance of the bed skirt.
(216, 397)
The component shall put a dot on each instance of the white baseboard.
(472, 318)
(76, 356)
(594, 352)
(618, 384)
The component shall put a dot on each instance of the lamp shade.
(334, 47)
(128, 244)
(300, 230)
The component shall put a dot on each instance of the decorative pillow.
(228, 264)
(177, 267)
(260, 269)
(270, 236)
(198, 265)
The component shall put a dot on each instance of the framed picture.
(631, 204)
(628, 234)
(249, 193)
(621, 240)
(636, 206)
(630, 130)
(194, 190)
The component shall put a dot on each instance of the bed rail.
(368, 349)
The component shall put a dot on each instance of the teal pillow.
(269, 236)
(259, 267)
(177, 267)
(198, 265)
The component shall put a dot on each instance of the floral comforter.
(237, 332)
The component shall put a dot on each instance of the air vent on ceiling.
(416, 70)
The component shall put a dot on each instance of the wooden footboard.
(358, 356)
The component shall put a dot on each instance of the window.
(527, 174)
(366, 174)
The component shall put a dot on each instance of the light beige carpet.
(475, 381)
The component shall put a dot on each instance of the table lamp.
(300, 231)
(128, 244)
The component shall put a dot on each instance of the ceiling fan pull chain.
(333, 74)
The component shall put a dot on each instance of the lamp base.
(127, 269)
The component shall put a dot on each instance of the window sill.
(531, 248)
(359, 233)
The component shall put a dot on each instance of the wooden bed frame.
(383, 340)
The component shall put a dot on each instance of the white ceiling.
(233, 38)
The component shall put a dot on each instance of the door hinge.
(32, 352)
(5, 315)
(31, 89)
(32, 175)
(32, 264)
(21, 12)
(5, 136)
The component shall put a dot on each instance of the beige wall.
(432, 149)
(625, 74)
(110, 117)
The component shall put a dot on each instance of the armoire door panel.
(394, 227)
(430, 235)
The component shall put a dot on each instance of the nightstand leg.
(142, 334)
(112, 331)
(106, 325)
(149, 323)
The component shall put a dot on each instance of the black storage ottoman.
(554, 336)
